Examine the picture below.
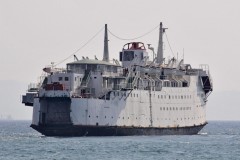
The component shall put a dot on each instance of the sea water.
(219, 140)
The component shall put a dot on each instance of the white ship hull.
(172, 108)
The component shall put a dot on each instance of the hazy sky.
(35, 33)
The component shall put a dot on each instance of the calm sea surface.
(218, 140)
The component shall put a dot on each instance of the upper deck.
(92, 65)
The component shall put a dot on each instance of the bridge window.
(66, 79)
(128, 56)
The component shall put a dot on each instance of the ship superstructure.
(132, 96)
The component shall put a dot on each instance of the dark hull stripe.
(75, 130)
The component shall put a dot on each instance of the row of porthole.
(157, 118)
(159, 96)
(173, 108)
(169, 97)
(175, 97)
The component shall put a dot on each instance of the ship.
(134, 95)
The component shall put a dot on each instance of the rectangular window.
(128, 56)
(59, 78)
(66, 78)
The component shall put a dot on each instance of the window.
(66, 78)
(59, 78)
(128, 56)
